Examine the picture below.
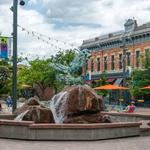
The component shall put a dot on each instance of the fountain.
(74, 114)
(77, 104)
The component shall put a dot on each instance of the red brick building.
(107, 52)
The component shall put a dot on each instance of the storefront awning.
(110, 80)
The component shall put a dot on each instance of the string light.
(46, 39)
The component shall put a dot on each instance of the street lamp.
(15, 24)
(124, 47)
(124, 64)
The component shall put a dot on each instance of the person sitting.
(130, 108)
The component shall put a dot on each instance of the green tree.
(101, 82)
(64, 57)
(37, 71)
(40, 72)
(5, 77)
(140, 78)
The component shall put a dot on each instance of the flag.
(5, 47)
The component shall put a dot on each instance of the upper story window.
(147, 50)
(147, 56)
(112, 62)
(98, 64)
(105, 63)
(128, 58)
(86, 64)
(92, 65)
(120, 61)
(137, 55)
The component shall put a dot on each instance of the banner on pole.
(5, 47)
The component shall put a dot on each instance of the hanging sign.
(5, 47)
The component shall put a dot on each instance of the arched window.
(98, 64)
(92, 65)
(128, 58)
(112, 62)
(120, 61)
(105, 63)
(137, 58)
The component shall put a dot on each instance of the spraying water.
(20, 116)
(58, 106)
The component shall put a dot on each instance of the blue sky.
(69, 21)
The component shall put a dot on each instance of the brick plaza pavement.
(133, 143)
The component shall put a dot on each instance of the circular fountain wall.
(76, 112)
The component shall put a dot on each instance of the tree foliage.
(40, 72)
(140, 78)
(5, 77)
(101, 82)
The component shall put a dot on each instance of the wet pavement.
(132, 143)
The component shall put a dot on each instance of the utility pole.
(15, 25)
(14, 80)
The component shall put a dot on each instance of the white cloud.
(70, 21)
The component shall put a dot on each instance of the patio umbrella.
(26, 86)
(110, 87)
(146, 87)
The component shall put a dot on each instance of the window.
(120, 61)
(137, 59)
(105, 63)
(92, 65)
(128, 59)
(86, 65)
(147, 50)
(112, 62)
(98, 64)
(147, 56)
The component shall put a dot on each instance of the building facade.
(118, 53)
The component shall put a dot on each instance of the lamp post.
(14, 80)
(124, 65)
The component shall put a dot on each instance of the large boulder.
(33, 111)
(77, 104)
(88, 118)
(38, 115)
(33, 101)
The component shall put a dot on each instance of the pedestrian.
(130, 108)
(9, 101)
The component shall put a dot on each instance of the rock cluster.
(33, 111)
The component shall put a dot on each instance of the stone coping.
(127, 114)
(15, 123)
(28, 130)
(84, 126)
(7, 115)
(32, 125)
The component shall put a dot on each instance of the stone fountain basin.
(28, 130)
